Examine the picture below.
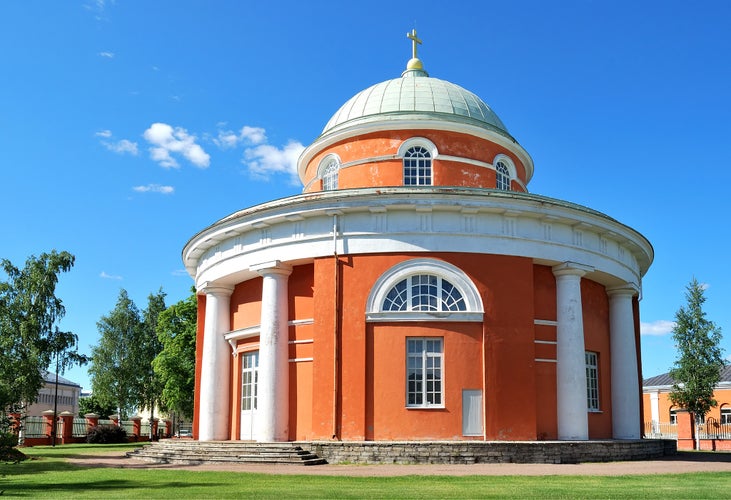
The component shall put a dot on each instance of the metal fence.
(712, 429)
(34, 427)
(661, 430)
(80, 427)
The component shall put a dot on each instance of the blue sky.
(127, 126)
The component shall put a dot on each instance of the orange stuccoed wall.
(386, 169)
(347, 376)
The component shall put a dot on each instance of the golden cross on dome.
(414, 42)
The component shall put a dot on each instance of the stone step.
(193, 453)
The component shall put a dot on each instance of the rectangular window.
(249, 380)
(673, 416)
(726, 415)
(424, 365)
(592, 381)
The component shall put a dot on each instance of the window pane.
(417, 167)
(424, 371)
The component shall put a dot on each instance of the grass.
(49, 475)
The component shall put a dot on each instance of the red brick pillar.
(154, 423)
(168, 427)
(686, 430)
(136, 427)
(14, 422)
(68, 427)
(50, 422)
(92, 420)
(115, 419)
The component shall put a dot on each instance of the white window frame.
(592, 381)
(329, 171)
(474, 310)
(512, 172)
(424, 285)
(428, 361)
(725, 414)
(428, 148)
(502, 176)
(673, 415)
(250, 378)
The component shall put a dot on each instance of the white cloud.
(657, 328)
(121, 147)
(154, 188)
(107, 54)
(167, 141)
(180, 272)
(265, 160)
(251, 136)
(109, 276)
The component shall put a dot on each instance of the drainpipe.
(484, 384)
(336, 343)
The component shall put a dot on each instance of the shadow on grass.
(700, 456)
(106, 485)
(34, 466)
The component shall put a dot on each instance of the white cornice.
(297, 229)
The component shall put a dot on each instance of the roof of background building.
(50, 378)
(666, 380)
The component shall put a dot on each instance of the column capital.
(271, 268)
(571, 269)
(630, 289)
(210, 288)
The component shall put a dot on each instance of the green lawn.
(49, 475)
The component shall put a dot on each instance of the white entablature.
(300, 228)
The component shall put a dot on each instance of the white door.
(249, 383)
(471, 412)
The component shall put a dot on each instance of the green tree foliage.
(91, 404)
(696, 371)
(114, 369)
(147, 347)
(175, 364)
(29, 337)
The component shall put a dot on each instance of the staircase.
(187, 452)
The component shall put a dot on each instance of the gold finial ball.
(414, 63)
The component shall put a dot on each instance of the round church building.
(415, 290)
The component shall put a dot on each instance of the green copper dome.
(415, 93)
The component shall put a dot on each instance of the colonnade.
(573, 421)
(273, 391)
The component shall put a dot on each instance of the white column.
(655, 410)
(625, 381)
(573, 422)
(215, 381)
(272, 420)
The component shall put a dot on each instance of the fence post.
(168, 427)
(50, 422)
(67, 431)
(92, 420)
(686, 430)
(136, 427)
(115, 420)
(14, 422)
(153, 424)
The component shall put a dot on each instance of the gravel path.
(681, 463)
